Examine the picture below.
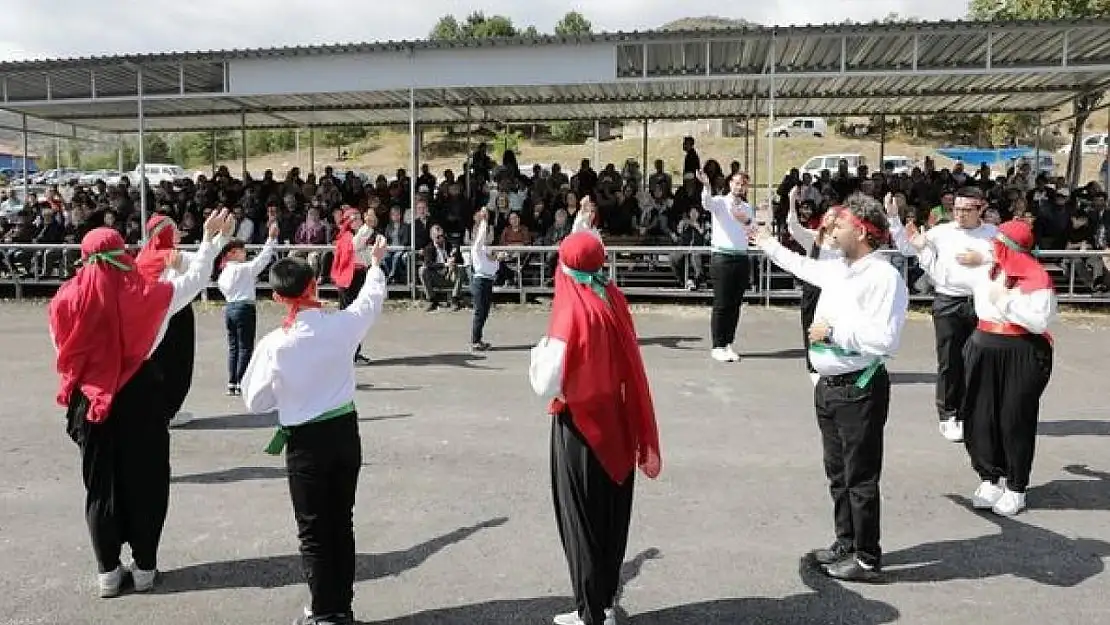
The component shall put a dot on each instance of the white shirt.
(237, 279)
(728, 234)
(949, 240)
(545, 371)
(864, 303)
(309, 369)
(993, 301)
(806, 237)
(484, 266)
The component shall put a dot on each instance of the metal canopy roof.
(897, 69)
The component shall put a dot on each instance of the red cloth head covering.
(154, 256)
(343, 265)
(604, 384)
(104, 322)
(1013, 247)
(305, 300)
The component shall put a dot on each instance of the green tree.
(446, 29)
(572, 24)
(476, 26)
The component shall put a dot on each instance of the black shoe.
(456, 305)
(850, 569)
(480, 346)
(361, 360)
(835, 553)
(432, 307)
(333, 619)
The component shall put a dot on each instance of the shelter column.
(142, 155)
(312, 150)
(119, 154)
(243, 141)
(882, 141)
(597, 144)
(644, 167)
(466, 161)
(297, 147)
(25, 150)
(1106, 156)
(215, 151)
(747, 141)
(1037, 146)
(414, 153)
(771, 140)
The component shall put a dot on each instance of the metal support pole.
(771, 124)
(26, 149)
(644, 163)
(119, 155)
(414, 151)
(597, 144)
(312, 151)
(755, 153)
(243, 141)
(58, 148)
(297, 147)
(882, 141)
(747, 142)
(1106, 156)
(466, 163)
(1037, 147)
(215, 152)
(142, 156)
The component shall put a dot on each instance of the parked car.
(157, 173)
(831, 162)
(898, 165)
(800, 127)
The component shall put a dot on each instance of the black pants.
(125, 465)
(851, 420)
(593, 514)
(175, 355)
(348, 295)
(953, 322)
(808, 306)
(241, 318)
(730, 276)
(323, 460)
(1006, 376)
(481, 292)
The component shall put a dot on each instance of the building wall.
(15, 161)
(694, 128)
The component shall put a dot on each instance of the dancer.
(589, 367)
(1007, 361)
(237, 283)
(485, 265)
(304, 371)
(348, 271)
(819, 249)
(105, 324)
(856, 327)
(962, 245)
(729, 269)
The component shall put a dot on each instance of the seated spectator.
(442, 269)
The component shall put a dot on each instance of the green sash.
(865, 376)
(281, 436)
(107, 257)
(595, 280)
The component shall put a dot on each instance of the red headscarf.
(104, 322)
(155, 255)
(604, 384)
(305, 300)
(343, 265)
(1013, 246)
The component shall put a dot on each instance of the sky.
(37, 29)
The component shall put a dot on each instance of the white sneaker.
(1010, 503)
(110, 582)
(144, 580)
(952, 430)
(986, 496)
(572, 618)
(719, 354)
(814, 377)
(732, 355)
(181, 419)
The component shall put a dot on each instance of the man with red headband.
(1007, 362)
(962, 245)
(348, 271)
(857, 326)
(304, 371)
(105, 324)
(589, 368)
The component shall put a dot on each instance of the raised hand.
(216, 223)
(760, 235)
(890, 205)
(274, 231)
(702, 177)
(482, 215)
(377, 253)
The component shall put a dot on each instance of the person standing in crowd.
(1007, 361)
(106, 324)
(237, 282)
(817, 244)
(348, 270)
(589, 367)
(729, 270)
(304, 371)
(857, 326)
(963, 245)
(484, 265)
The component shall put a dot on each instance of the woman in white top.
(816, 247)
(484, 265)
(237, 280)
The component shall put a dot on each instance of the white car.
(157, 173)
(800, 127)
(831, 162)
(898, 165)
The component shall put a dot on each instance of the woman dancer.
(816, 247)
(348, 271)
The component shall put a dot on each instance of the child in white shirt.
(237, 279)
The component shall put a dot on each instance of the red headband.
(305, 300)
(866, 226)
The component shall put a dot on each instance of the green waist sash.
(281, 436)
(864, 376)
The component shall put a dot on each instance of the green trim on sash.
(281, 436)
(1013, 245)
(109, 257)
(865, 376)
(596, 280)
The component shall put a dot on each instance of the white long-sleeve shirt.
(729, 236)
(237, 279)
(308, 370)
(949, 240)
(864, 302)
(484, 266)
(806, 237)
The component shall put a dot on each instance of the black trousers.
(730, 274)
(851, 420)
(593, 514)
(808, 306)
(125, 465)
(1006, 376)
(481, 292)
(953, 322)
(348, 295)
(241, 319)
(323, 461)
(175, 356)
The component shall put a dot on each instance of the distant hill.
(708, 22)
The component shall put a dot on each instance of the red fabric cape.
(104, 322)
(1013, 247)
(154, 256)
(604, 384)
(343, 265)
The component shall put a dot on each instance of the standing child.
(237, 283)
(305, 370)
(485, 265)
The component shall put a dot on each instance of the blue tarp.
(976, 156)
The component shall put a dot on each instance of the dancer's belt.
(1007, 329)
(281, 436)
(864, 375)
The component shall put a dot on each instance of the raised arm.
(187, 285)
(804, 236)
(875, 328)
(260, 262)
(367, 305)
(815, 272)
(545, 370)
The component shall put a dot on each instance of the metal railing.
(648, 272)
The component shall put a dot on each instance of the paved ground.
(454, 520)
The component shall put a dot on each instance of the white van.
(156, 173)
(801, 127)
(831, 162)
